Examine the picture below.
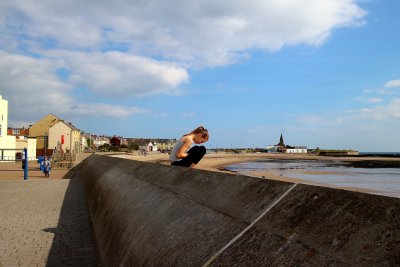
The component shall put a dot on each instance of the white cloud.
(104, 110)
(370, 99)
(134, 48)
(380, 112)
(392, 83)
(200, 33)
(389, 88)
(115, 74)
(366, 129)
(309, 119)
(188, 114)
(374, 100)
(33, 89)
(390, 111)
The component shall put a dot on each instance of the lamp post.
(45, 143)
(25, 159)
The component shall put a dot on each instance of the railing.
(24, 158)
(13, 158)
(62, 160)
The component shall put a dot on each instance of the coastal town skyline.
(101, 139)
(322, 73)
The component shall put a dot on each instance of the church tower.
(281, 143)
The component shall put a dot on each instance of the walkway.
(43, 222)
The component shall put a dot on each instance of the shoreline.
(219, 161)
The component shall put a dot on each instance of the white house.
(10, 146)
(148, 147)
(100, 140)
(84, 143)
(271, 149)
(296, 149)
(146, 144)
(66, 135)
(29, 143)
(7, 143)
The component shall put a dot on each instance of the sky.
(324, 73)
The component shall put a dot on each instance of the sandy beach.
(218, 162)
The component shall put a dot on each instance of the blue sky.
(323, 73)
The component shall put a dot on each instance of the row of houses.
(153, 144)
(53, 133)
(41, 138)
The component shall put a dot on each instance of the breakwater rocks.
(148, 214)
(374, 164)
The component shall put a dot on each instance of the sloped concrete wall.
(147, 214)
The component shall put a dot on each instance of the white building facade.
(7, 143)
(66, 135)
(297, 150)
(29, 143)
(11, 147)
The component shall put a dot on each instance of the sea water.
(384, 181)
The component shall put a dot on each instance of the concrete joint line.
(183, 196)
(248, 227)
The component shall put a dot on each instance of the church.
(282, 148)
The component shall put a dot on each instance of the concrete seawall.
(147, 214)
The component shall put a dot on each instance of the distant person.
(181, 155)
(47, 167)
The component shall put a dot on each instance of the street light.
(45, 144)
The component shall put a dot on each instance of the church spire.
(281, 143)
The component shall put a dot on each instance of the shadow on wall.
(73, 243)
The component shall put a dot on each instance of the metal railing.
(24, 158)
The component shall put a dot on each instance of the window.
(15, 131)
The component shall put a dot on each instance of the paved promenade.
(43, 222)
